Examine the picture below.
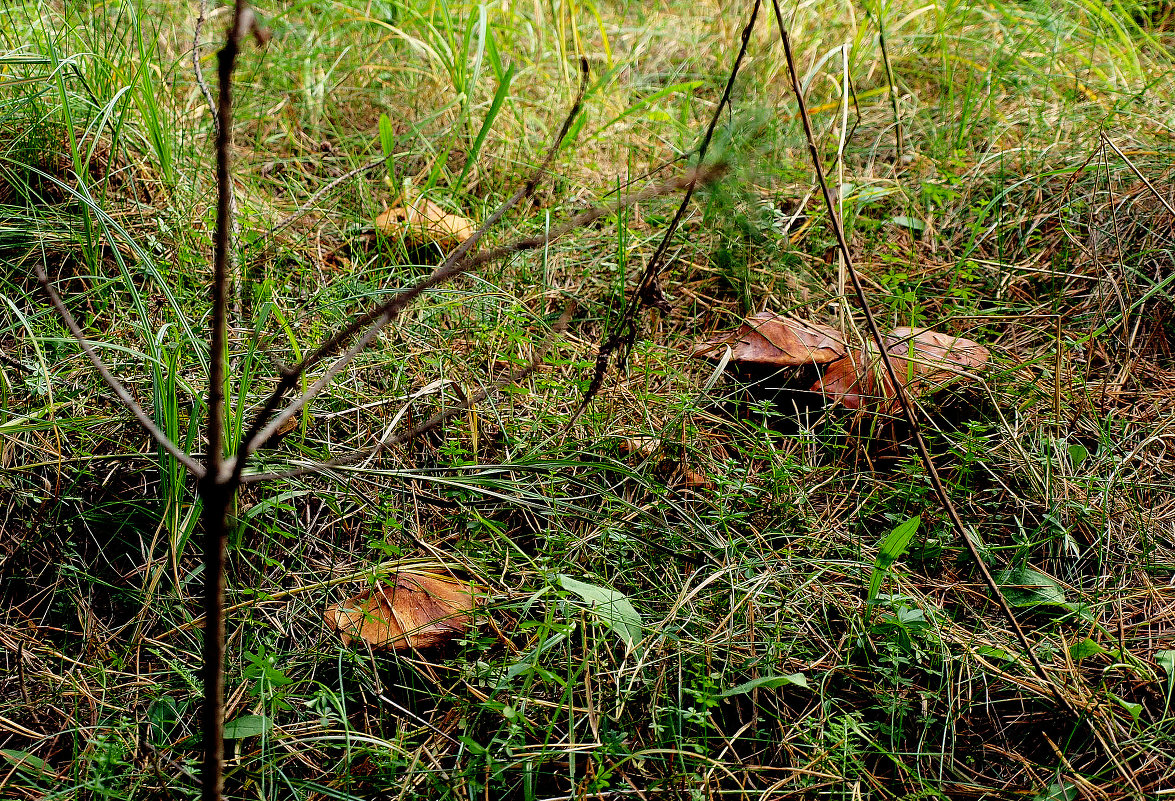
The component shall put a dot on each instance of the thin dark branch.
(456, 263)
(381, 316)
(906, 403)
(116, 386)
(437, 420)
(910, 413)
(217, 490)
(648, 290)
(893, 90)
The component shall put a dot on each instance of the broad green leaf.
(1134, 709)
(1166, 660)
(893, 547)
(1087, 647)
(164, 716)
(26, 763)
(912, 223)
(475, 748)
(1077, 454)
(871, 194)
(895, 544)
(1026, 586)
(613, 608)
(247, 726)
(995, 653)
(769, 682)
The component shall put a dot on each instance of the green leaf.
(769, 682)
(1166, 660)
(247, 726)
(895, 544)
(1134, 709)
(475, 748)
(164, 716)
(1086, 647)
(1060, 791)
(685, 88)
(1077, 454)
(387, 142)
(912, 223)
(995, 653)
(870, 194)
(1026, 586)
(613, 608)
(893, 547)
(487, 123)
(26, 763)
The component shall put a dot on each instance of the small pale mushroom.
(422, 222)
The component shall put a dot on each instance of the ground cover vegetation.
(711, 582)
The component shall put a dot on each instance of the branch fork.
(220, 476)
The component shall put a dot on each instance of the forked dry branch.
(220, 476)
(648, 289)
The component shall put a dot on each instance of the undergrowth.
(1012, 185)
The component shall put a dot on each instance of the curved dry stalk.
(911, 416)
(648, 291)
(382, 315)
(116, 386)
(1134, 169)
(199, 73)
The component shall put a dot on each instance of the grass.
(790, 642)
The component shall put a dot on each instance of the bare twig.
(116, 386)
(437, 420)
(648, 291)
(911, 416)
(875, 332)
(217, 490)
(261, 429)
(199, 72)
(13, 363)
(893, 90)
(1166, 204)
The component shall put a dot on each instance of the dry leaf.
(417, 611)
(772, 339)
(691, 479)
(422, 222)
(644, 447)
(922, 359)
(677, 469)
